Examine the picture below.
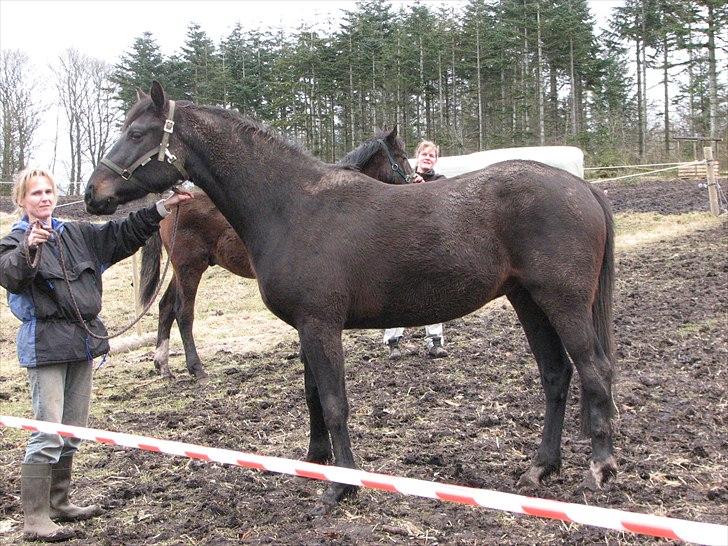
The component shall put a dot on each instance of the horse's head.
(143, 160)
(400, 170)
(382, 157)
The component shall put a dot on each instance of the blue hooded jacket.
(39, 297)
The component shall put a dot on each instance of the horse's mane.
(239, 123)
(353, 161)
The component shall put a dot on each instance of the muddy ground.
(473, 418)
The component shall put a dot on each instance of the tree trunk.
(640, 98)
(574, 127)
(480, 85)
(665, 76)
(712, 74)
(541, 127)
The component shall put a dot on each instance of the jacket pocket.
(54, 301)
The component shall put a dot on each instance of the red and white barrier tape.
(646, 524)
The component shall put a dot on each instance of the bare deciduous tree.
(101, 115)
(86, 96)
(71, 83)
(19, 110)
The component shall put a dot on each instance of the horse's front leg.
(319, 444)
(321, 345)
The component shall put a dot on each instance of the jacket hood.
(24, 224)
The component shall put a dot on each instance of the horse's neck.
(254, 182)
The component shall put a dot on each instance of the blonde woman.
(52, 345)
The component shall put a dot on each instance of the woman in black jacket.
(52, 343)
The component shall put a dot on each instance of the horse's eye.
(135, 135)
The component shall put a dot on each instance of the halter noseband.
(395, 166)
(162, 152)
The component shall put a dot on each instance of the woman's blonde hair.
(427, 144)
(20, 185)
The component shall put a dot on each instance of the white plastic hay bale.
(568, 158)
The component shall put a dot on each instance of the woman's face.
(39, 200)
(426, 159)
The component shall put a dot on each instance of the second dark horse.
(205, 238)
(335, 250)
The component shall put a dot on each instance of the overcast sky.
(106, 29)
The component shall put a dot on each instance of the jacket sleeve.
(119, 239)
(16, 273)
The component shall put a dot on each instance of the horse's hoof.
(589, 484)
(319, 455)
(531, 479)
(168, 376)
(199, 374)
(321, 509)
(334, 493)
(601, 472)
(319, 458)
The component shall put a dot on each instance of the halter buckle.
(169, 126)
(125, 174)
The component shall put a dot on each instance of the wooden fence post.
(135, 284)
(712, 188)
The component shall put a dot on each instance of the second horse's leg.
(164, 326)
(185, 311)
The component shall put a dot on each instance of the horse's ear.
(392, 136)
(158, 97)
(140, 93)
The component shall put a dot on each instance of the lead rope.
(76, 309)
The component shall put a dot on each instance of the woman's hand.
(416, 178)
(179, 196)
(38, 235)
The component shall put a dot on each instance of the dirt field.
(473, 418)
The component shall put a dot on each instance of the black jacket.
(50, 332)
(431, 175)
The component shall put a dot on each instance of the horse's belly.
(421, 305)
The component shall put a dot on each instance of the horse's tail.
(151, 256)
(602, 306)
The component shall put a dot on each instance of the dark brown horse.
(333, 249)
(205, 238)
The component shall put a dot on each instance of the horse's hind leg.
(164, 326)
(555, 370)
(189, 282)
(577, 333)
(321, 344)
(319, 445)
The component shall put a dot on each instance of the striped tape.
(619, 520)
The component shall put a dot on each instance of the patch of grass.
(693, 328)
(649, 227)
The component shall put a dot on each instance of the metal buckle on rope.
(171, 158)
(169, 126)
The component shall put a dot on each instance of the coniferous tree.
(138, 67)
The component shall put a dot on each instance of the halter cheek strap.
(395, 166)
(162, 152)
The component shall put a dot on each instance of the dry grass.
(647, 227)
